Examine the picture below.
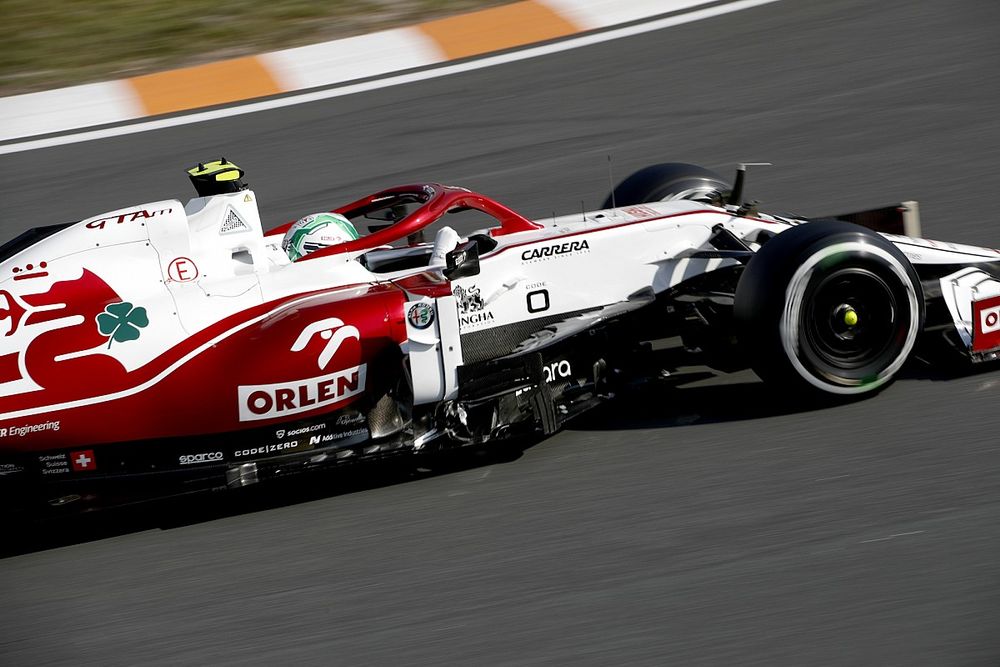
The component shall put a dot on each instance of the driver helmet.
(316, 231)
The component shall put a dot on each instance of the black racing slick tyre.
(828, 307)
(662, 182)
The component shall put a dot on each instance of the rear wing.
(29, 238)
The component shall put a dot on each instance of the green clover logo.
(121, 322)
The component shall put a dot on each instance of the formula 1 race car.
(179, 344)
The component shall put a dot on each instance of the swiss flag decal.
(83, 461)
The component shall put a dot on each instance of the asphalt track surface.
(709, 525)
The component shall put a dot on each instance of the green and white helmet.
(316, 231)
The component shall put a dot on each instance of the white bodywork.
(202, 262)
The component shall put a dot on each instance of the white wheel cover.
(789, 325)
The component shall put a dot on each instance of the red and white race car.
(180, 343)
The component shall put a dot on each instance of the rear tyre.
(664, 182)
(829, 307)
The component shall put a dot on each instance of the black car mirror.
(462, 262)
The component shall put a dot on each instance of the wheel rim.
(851, 321)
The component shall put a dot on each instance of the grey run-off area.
(706, 526)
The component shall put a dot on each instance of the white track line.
(351, 89)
